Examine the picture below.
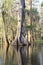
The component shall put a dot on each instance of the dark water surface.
(12, 57)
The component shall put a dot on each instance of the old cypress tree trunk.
(23, 49)
(22, 17)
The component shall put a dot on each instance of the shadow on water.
(35, 59)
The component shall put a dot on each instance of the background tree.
(10, 30)
(34, 22)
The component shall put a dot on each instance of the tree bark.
(23, 49)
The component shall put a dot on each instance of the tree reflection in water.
(23, 55)
(12, 57)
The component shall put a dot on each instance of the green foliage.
(35, 14)
(42, 4)
(30, 27)
(34, 11)
(9, 20)
(1, 30)
(27, 11)
(39, 41)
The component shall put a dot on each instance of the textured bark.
(22, 18)
(23, 49)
